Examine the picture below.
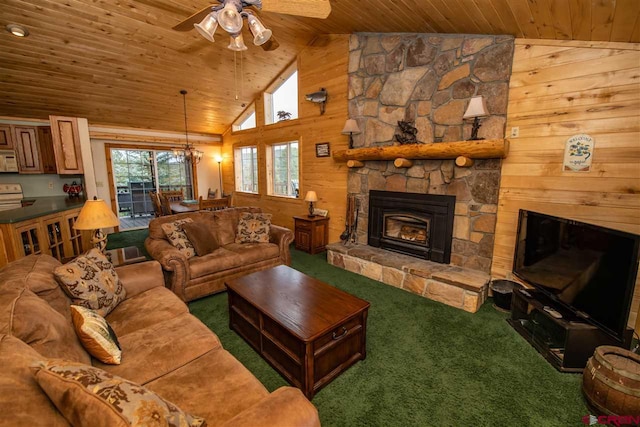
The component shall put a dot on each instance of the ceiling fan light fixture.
(229, 18)
(207, 27)
(260, 34)
(237, 43)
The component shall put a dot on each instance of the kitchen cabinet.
(51, 234)
(66, 145)
(28, 152)
(6, 137)
(45, 146)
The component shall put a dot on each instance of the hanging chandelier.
(229, 15)
(189, 152)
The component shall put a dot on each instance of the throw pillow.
(89, 396)
(177, 236)
(92, 282)
(201, 237)
(253, 228)
(96, 335)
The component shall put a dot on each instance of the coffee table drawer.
(340, 348)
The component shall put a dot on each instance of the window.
(247, 119)
(136, 172)
(246, 164)
(282, 167)
(281, 103)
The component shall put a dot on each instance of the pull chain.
(235, 73)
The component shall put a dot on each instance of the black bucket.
(502, 292)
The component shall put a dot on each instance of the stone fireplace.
(428, 80)
(420, 225)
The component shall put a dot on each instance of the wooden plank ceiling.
(119, 63)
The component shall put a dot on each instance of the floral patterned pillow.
(253, 228)
(178, 238)
(92, 282)
(80, 391)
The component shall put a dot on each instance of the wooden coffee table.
(310, 332)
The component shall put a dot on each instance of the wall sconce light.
(476, 109)
(311, 197)
(350, 128)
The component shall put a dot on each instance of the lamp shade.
(237, 43)
(311, 196)
(476, 108)
(230, 19)
(207, 27)
(260, 33)
(350, 127)
(95, 214)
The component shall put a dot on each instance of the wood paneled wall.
(321, 65)
(559, 89)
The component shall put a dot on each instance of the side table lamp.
(311, 197)
(95, 215)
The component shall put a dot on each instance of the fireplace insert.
(415, 224)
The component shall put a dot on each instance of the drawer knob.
(344, 332)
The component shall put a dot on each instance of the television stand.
(566, 342)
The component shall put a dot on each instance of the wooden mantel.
(481, 149)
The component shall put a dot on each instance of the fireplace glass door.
(407, 228)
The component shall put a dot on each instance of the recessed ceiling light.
(17, 30)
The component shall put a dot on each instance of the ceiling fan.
(229, 14)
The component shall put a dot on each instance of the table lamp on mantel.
(95, 215)
(311, 197)
(476, 109)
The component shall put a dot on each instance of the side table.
(311, 233)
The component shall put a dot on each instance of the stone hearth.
(452, 285)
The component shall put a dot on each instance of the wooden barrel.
(611, 381)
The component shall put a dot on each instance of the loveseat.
(164, 348)
(198, 276)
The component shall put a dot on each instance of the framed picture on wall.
(322, 149)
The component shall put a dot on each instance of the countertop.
(41, 206)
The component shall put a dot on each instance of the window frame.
(271, 169)
(238, 168)
(273, 87)
(250, 110)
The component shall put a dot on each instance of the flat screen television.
(590, 270)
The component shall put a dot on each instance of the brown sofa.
(201, 276)
(165, 348)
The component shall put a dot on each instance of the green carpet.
(129, 238)
(427, 364)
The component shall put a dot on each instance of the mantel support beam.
(482, 149)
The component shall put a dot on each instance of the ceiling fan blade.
(187, 24)
(309, 8)
(271, 44)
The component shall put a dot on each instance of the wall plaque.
(578, 153)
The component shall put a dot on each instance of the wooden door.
(6, 137)
(45, 145)
(66, 145)
(26, 143)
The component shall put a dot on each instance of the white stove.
(10, 196)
